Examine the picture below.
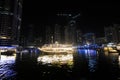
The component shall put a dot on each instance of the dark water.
(84, 64)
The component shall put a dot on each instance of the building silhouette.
(57, 33)
(10, 21)
(70, 33)
(30, 34)
(117, 29)
(49, 35)
(89, 38)
(79, 37)
(112, 33)
(100, 41)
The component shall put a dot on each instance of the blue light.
(7, 47)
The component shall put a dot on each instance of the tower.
(10, 21)
(48, 35)
(89, 38)
(112, 33)
(57, 33)
(70, 33)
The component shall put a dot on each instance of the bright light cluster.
(56, 59)
(7, 59)
(57, 48)
(7, 48)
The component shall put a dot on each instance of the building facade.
(10, 21)
(79, 37)
(57, 33)
(49, 38)
(112, 33)
(70, 33)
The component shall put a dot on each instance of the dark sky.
(93, 16)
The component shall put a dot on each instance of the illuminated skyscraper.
(10, 21)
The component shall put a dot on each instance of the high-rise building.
(89, 38)
(49, 38)
(112, 33)
(70, 33)
(10, 21)
(101, 40)
(57, 33)
(79, 37)
(117, 30)
(30, 35)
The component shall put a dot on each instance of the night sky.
(93, 16)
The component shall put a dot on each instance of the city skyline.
(93, 16)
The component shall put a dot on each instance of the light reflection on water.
(56, 59)
(119, 61)
(6, 64)
(80, 65)
(91, 56)
(67, 59)
(7, 59)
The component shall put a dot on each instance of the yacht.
(57, 48)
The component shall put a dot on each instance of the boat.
(57, 48)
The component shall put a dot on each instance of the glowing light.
(7, 59)
(56, 59)
(5, 66)
(112, 50)
(119, 60)
(118, 46)
(7, 48)
(57, 48)
(3, 37)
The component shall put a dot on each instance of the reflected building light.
(91, 56)
(60, 59)
(6, 63)
(7, 59)
(92, 64)
(119, 61)
(85, 51)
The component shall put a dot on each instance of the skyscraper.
(79, 37)
(70, 32)
(112, 33)
(10, 21)
(49, 35)
(30, 36)
(89, 38)
(57, 33)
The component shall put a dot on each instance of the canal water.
(83, 64)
